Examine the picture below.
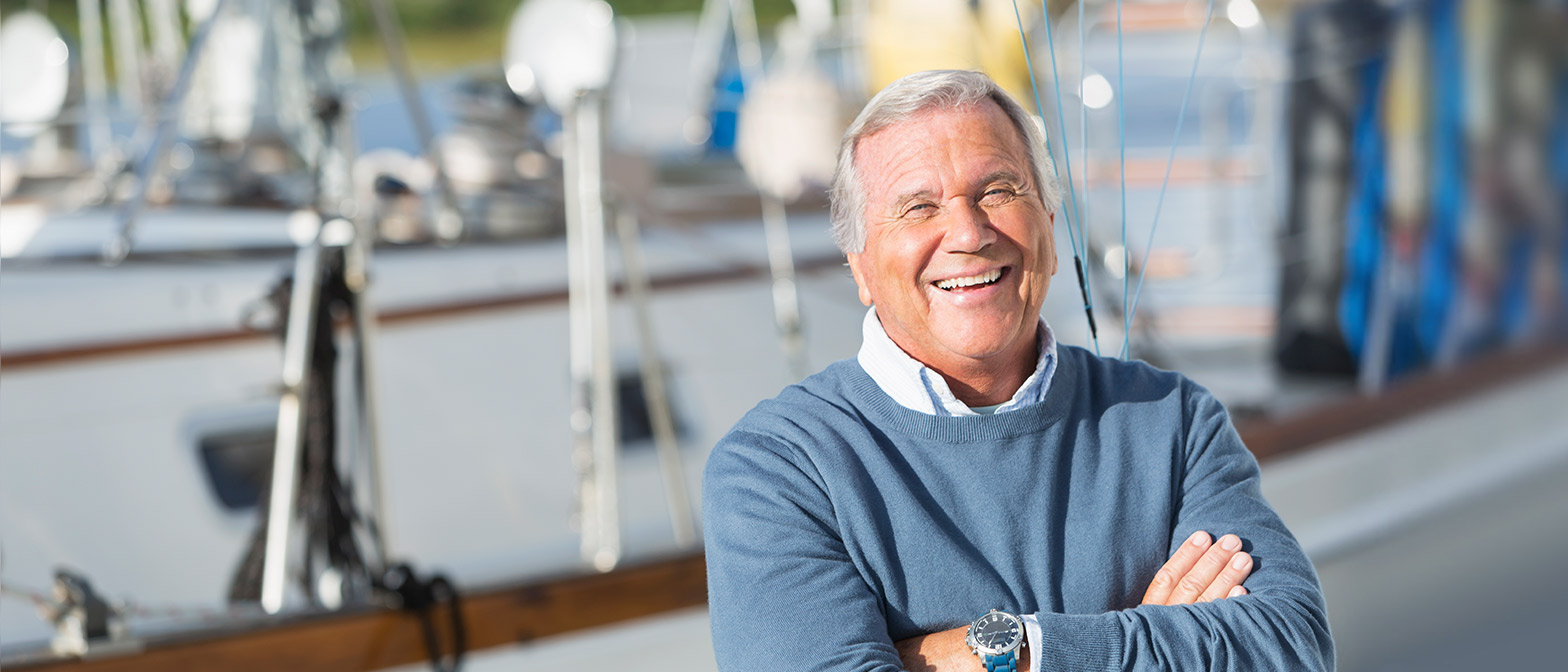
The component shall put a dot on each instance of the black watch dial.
(998, 632)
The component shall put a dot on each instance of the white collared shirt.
(917, 387)
(920, 388)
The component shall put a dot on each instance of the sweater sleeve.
(783, 593)
(1281, 624)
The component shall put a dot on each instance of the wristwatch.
(997, 637)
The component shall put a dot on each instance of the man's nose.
(968, 229)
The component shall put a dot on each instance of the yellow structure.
(906, 36)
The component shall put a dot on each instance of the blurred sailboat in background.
(470, 396)
(144, 422)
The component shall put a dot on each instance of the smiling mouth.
(972, 282)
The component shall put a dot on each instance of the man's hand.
(1201, 572)
(945, 652)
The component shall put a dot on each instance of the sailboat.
(209, 310)
(471, 367)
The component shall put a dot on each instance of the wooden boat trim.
(372, 639)
(72, 354)
(1421, 393)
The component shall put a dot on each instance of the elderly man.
(967, 494)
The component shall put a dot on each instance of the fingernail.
(1240, 561)
(1230, 542)
(1199, 538)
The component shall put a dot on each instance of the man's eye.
(998, 194)
(919, 210)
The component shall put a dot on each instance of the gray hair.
(903, 100)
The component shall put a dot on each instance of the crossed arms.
(1199, 571)
(816, 561)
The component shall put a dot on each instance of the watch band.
(1007, 662)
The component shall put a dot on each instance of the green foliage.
(444, 34)
(62, 14)
(427, 16)
(440, 33)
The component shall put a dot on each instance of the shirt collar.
(917, 387)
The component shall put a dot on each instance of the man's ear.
(858, 271)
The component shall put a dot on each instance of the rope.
(421, 598)
(1181, 116)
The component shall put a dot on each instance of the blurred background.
(365, 335)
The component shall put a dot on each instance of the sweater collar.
(920, 388)
(881, 411)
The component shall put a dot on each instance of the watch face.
(997, 633)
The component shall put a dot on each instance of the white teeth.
(982, 279)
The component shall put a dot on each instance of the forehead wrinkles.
(938, 150)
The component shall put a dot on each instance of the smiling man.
(966, 494)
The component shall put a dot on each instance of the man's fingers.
(1201, 571)
(1207, 569)
(1181, 562)
(1230, 578)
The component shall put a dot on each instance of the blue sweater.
(839, 522)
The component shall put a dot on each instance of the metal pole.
(356, 265)
(1378, 342)
(748, 48)
(578, 333)
(95, 89)
(163, 21)
(660, 414)
(705, 62)
(126, 37)
(291, 423)
(786, 301)
(593, 375)
(606, 439)
(449, 221)
(161, 120)
(356, 274)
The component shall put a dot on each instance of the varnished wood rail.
(371, 639)
(1405, 398)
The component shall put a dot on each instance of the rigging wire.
(1159, 203)
(1083, 144)
(41, 600)
(1067, 214)
(1121, 129)
(1050, 42)
(47, 605)
(1040, 108)
(1061, 123)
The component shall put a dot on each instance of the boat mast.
(449, 221)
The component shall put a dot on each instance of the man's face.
(959, 250)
